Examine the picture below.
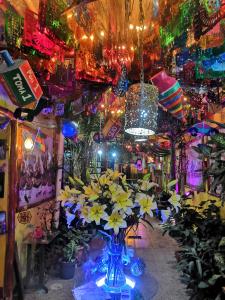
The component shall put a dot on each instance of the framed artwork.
(194, 178)
(2, 222)
(36, 167)
(3, 149)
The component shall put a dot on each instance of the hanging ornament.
(170, 93)
(122, 86)
(141, 109)
(19, 80)
(69, 129)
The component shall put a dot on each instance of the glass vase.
(115, 278)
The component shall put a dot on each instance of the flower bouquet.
(112, 206)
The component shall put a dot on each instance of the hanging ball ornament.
(69, 129)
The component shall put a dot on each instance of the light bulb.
(131, 26)
(102, 33)
(84, 37)
(29, 143)
(114, 154)
(92, 37)
(100, 152)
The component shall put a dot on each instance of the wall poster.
(194, 168)
(36, 167)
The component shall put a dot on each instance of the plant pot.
(67, 270)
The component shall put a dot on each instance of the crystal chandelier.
(141, 100)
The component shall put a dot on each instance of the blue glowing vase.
(115, 278)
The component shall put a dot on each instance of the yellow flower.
(115, 188)
(67, 194)
(113, 174)
(103, 180)
(115, 222)
(122, 201)
(97, 212)
(175, 200)
(92, 191)
(146, 185)
(146, 204)
(85, 214)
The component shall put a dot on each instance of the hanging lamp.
(141, 100)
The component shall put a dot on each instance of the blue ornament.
(69, 129)
(122, 86)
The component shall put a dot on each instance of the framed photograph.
(2, 222)
(36, 167)
(3, 149)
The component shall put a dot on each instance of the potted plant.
(69, 259)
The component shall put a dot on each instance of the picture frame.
(3, 149)
(36, 172)
(2, 222)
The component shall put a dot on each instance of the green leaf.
(171, 183)
(213, 279)
(146, 177)
(203, 285)
(222, 242)
(199, 267)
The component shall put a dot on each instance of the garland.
(178, 24)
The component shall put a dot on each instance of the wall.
(22, 231)
(4, 134)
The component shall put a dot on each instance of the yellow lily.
(115, 222)
(175, 200)
(146, 204)
(84, 214)
(146, 185)
(115, 188)
(113, 174)
(92, 191)
(97, 212)
(122, 201)
(67, 194)
(104, 180)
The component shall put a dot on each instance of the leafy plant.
(70, 250)
(201, 234)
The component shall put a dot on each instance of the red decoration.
(38, 233)
(34, 38)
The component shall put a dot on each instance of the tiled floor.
(161, 281)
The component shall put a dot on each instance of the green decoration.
(219, 139)
(178, 24)
(207, 74)
(57, 23)
(13, 28)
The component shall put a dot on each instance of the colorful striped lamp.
(170, 93)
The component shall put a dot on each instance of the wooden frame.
(35, 168)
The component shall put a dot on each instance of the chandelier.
(141, 109)
(141, 100)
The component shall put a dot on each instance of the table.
(41, 270)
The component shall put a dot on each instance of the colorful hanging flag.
(40, 141)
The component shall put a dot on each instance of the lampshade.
(141, 109)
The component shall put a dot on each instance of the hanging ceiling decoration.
(141, 109)
(141, 106)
